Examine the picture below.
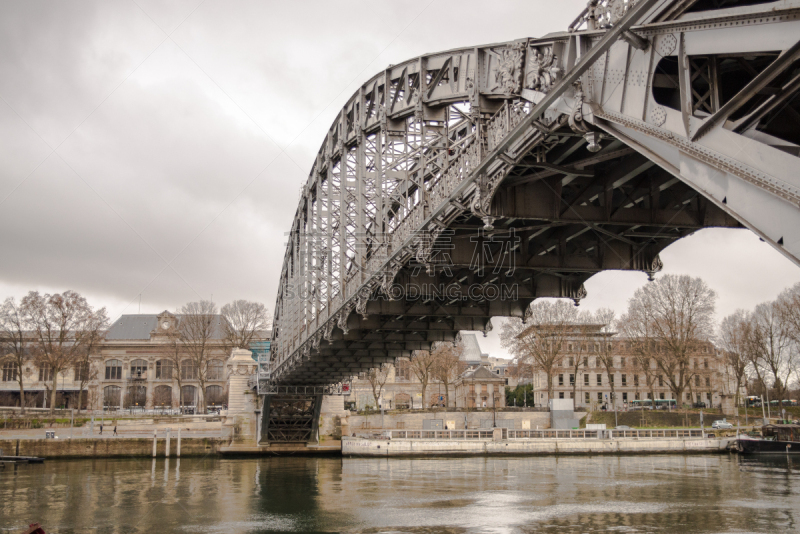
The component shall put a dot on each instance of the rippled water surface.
(546, 494)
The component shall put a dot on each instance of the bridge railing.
(545, 434)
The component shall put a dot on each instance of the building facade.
(581, 374)
(137, 366)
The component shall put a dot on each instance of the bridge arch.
(462, 185)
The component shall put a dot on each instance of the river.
(670, 493)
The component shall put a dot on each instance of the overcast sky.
(157, 148)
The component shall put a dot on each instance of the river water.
(670, 493)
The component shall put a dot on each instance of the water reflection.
(588, 494)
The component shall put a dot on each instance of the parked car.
(623, 427)
(720, 425)
(699, 405)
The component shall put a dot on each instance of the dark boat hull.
(760, 446)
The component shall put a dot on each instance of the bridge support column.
(290, 418)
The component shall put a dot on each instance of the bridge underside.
(560, 216)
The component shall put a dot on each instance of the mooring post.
(155, 433)
(179, 444)
(166, 451)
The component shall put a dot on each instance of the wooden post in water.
(166, 452)
(179, 444)
(155, 432)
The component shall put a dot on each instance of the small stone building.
(479, 387)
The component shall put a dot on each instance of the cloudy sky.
(154, 149)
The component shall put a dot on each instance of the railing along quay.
(546, 434)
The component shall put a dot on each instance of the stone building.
(581, 375)
(132, 367)
(479, 387)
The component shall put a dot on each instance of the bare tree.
(89, 339)
(772, 346)
(172, 351)
(446, 358)
(422, 363)
(13, 347)
(605, 354)
(244, 322)
(789, 307)
(199, 325)
(56, 322)
(734, 336)
(377, 377)
(676, 313)
(543, 344)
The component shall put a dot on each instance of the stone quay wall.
(431, 447)
(110, 447)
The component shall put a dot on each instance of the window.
(635, 396)
(587, 399)
(708, 381)
(113, 370)
(139, 369)
(571, 380)
(188, 370)
(599, 396)
(136, 397)
(560, 380)
(9, 371)
(650, 396)
(402, 369)
(636, 381)
(688, 396)
(624, 380)
(188, 395)
(661, 396)
(599, 380)
(661, 381)
(111, 396)
(162, 396)
(560, 394)
(82, 371)
(696, 380)
(571, 395)
(708, 396)
(611, 379)
(585, 379)
(705, 360)
(585, 361)
(624, 396)
(45, 373)
(214, 396)
(622, 362)
(216, 370)
(569, 347)
(164, 370)
(571, 361)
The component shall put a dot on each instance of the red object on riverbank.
(34, 528)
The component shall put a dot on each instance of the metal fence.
(545, 434)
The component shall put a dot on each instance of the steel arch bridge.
(462, 185)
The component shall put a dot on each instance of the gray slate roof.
(139, 326)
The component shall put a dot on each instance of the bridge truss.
(463, 185)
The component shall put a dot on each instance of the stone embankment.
(388, 447)
(110, 448)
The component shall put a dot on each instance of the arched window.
(9, 371)
(188, 370)
(162, 397)
(164, 369)
(215, 396)
(136, 397)
(113, 370)
(139, 369)
(111, 396)
(216, 370)
(188, 396)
